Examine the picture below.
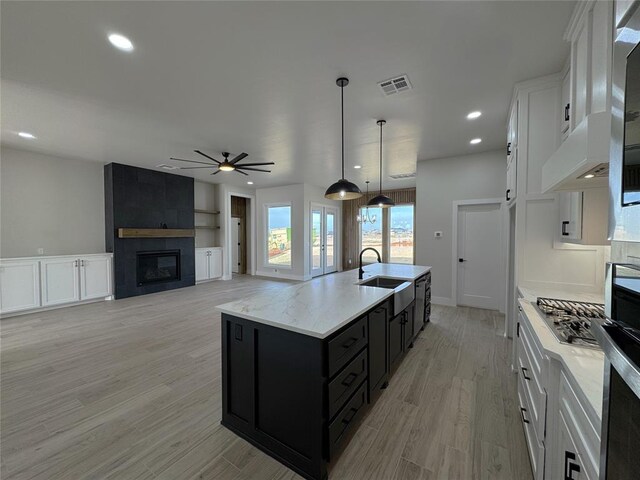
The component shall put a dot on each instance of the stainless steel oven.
(620, 340)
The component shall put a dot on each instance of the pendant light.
(381, 200)
(343, 189)
(366, 218)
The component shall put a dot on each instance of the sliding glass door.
(324, 240)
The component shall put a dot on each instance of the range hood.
(585, 152)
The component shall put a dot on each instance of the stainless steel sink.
(403, 291)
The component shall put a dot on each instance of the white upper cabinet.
(19, 285)
(583, 217)
(584, 105)
(59, 281)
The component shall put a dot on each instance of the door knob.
(461, 260)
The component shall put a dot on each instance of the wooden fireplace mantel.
(156, 233)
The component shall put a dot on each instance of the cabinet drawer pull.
(524, 374)
(564, 228)
(507, 194)
(522, 410)
(350, 343)
(352, 413)
(349, 379)
(567, 109)
(569, 465)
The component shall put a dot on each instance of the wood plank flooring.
(131, 389)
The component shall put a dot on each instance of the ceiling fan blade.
(205, 155)
(236, 170)
(255, 164)
(252, 169)
(216, 172)
(193, 168)
(190, 161)
(239, 157)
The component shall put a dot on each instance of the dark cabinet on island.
(297, 395)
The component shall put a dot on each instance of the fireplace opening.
(158, 267)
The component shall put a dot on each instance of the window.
(279, 235)
(391, 234)
(371, 233)
(401, 234)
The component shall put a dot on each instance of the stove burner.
(571, 321)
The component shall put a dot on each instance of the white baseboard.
(449, 302)
(286, 276)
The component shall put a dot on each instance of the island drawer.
(346, 382)
(346, 418)
(346, 344)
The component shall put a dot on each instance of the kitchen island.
(299, 367)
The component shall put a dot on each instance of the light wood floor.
(131, 390)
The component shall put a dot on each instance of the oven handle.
(626, 368)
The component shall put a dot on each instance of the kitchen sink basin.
(403, 291)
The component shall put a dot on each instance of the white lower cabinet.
(19, 285)
(27, 284)
(208, 263)
(59, 281)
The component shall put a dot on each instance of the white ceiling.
(259, 77)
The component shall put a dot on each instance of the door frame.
(454, 244)
(337, 243)
(250, 233)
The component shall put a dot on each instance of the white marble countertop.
(323, 305)
(585, 366)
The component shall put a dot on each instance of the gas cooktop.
(570, 321)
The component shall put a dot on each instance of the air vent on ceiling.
(599, 171)
(167, 167)
(395, 85)
(399, 176)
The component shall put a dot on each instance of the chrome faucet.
(360, 270)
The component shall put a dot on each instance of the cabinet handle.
(75, 263)
(522, 410)
(569, 465)
(524, 374)
(509, 148)
(353, 412)
(564, 228)
(567, 109)
(507, 194)
(349, 379)
(349, 343)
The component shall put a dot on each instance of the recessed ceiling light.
(590, 175)
(475, 141)
(249, 183)
(28, 135)
(121, 42)
(473, 115)
(357, 166)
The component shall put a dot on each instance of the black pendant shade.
(380, 200)
(343, 189)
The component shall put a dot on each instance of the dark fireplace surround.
(140, 198)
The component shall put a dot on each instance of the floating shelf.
(156, 233)
(207, 227)
(210, 212)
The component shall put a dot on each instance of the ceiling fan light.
(343, 190)
(381, 201)
(226, 167)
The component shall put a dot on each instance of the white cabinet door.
(512, 167)
(581, 73)
(95, 277)
(202, 264)
(565, 110)
(570, 206)
(215, 263)
(59, 281)
(19, 286)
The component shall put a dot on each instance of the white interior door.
(479, 265)
(235, 244)
(323, 240)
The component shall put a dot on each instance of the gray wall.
(439, 183)
(49, 202)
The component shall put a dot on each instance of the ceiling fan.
(226, 165)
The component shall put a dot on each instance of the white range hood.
(584, 151)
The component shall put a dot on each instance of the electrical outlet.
(437, 234)
(41, 251)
